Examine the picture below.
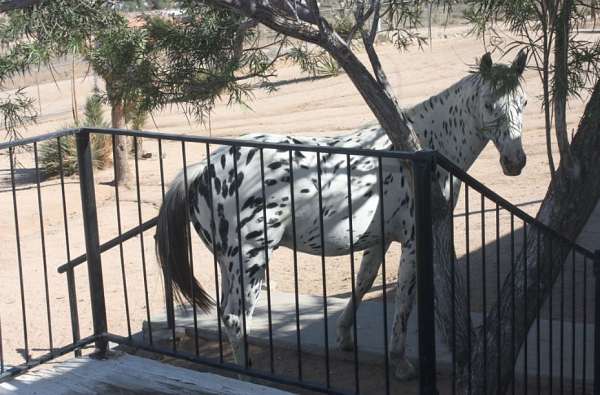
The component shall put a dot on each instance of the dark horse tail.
(173, 243)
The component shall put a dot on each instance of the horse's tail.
(173, 244)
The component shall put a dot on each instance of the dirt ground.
(302, 107)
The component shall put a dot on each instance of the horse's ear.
(520, 61)
(486, 62)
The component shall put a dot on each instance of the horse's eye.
(525, 104)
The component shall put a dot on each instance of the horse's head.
(501, 103)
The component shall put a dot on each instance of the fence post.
(424, 261)
(92, 241)
(597, 322)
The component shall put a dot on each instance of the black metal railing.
(540, 278)
(296, 346)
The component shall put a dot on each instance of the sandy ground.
(325, 107)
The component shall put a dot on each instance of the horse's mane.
(502, 78)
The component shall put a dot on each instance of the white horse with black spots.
(486, 105)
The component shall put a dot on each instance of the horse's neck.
(446, 123)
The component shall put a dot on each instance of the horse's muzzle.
(513, 167)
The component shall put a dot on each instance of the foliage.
(197, 58)
(101, 145)
(16, 110)
(141, 5)
(503, 79)
(33, 36)
(313, 61)
(533, 24)
(135, 117)
(191, 60)
(116, 56)
(94, 112)
(55, 28)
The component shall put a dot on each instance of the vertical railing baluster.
(43, 242)
(513, 302)
(168, 275)
(484, 292)
(266, 252)
(323, 272)
(383, 277)
(352, 274)
(498, 298)
(234, 156)
(1, 348)
(92, 240)
(120, 231)
(468, 285)
(12, 160)
(550, 325)
(141, 234)
(562, 329)
(425, 286)
(214, 252)
(72, 290)
(453, 281)
(539, 309)
(525, 343)
(295, 256)
(573, 321)
(596, 323)
(189, 248)
(584, 353)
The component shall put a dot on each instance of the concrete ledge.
(370, 334)
(125, 374)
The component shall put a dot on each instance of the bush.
(101, 145)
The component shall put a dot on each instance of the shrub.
(101, 145)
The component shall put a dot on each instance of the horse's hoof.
(344, 340)
(405, 370)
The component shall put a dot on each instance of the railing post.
(597, 322)
(92, 241)
(424, 261)
(169, 300)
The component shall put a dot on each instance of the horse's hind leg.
(405, 297)
(369, 267)
(237, 314)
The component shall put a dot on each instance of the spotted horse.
(486, 105)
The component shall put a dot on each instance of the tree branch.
(9, 5)
(276, 18)
(375, 22)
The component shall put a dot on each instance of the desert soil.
(326, 106)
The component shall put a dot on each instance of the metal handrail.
(39, 138)
(424, 155)
(469, 180)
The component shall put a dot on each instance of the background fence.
(64, 229)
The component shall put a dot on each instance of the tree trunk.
(451, 313)
(123, 173)
(561, 82)
(547, 117)
(566, 208)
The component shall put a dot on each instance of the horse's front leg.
(405, 297)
